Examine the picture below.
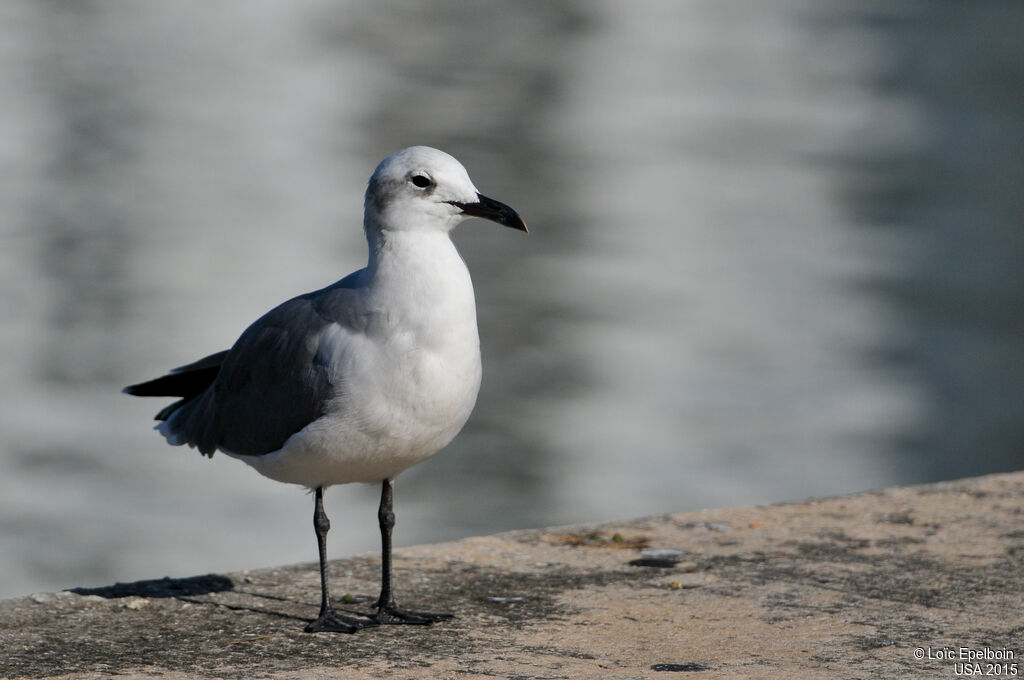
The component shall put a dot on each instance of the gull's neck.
(420, 274)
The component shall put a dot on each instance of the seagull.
(362, 379)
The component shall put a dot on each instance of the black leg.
(387, 609)
(328, 620)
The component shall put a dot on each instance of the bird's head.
(424, 189)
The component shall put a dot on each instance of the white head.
(425, 189)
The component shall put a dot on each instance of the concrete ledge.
(845, 587)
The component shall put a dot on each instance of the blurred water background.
(775, 252)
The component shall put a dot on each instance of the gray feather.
(275, 380)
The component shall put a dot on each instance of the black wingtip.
(153, 388)
(184, 381)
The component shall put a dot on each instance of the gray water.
(775, 252)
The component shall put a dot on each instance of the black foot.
(332, 622)
(392, 615)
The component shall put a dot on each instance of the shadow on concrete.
(163, 587)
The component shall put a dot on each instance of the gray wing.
(273, 382)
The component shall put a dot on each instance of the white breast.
(405, 386)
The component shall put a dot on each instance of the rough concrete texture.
(845, 587)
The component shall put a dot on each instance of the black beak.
(489, 209)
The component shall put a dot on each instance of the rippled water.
(775, 252)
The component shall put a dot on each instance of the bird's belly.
(406, 411)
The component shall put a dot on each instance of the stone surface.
(847, 587)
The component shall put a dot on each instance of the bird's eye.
(422, 181)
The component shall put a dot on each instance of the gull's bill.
(490, 209)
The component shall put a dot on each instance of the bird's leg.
(328, 620)
(387, 609)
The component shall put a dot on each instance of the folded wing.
(273, 382)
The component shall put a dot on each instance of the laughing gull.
(357, 381)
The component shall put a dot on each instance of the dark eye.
(422, 181)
